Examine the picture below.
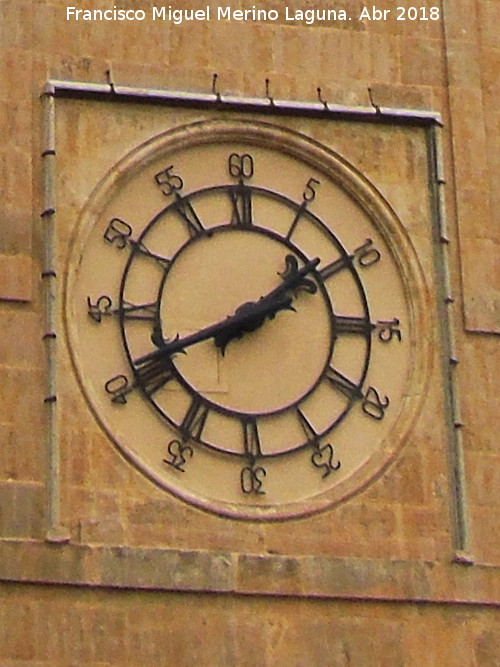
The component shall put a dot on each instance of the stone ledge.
(247, 574)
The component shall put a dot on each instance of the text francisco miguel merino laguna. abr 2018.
(284, 14)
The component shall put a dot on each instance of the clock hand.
(247, 317)
(250, 316)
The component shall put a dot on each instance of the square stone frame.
(57, 561)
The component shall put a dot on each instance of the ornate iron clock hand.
(247, 317)
(250, 316)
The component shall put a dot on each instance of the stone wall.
(61, 626)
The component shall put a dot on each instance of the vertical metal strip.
(54, 532)
(447, 307)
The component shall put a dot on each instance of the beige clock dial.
(245, 317)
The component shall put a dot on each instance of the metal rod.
(447, 306)
(54, 532)
(77, 89)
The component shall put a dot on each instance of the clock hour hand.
(250, 316)
(247, 317)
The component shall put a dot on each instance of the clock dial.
(240, 319)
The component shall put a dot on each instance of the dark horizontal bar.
(113, 93)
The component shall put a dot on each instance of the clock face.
(243, 318)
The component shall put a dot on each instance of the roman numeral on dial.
(141, 248)
(352, 325)
(189, 216)
(140, 311)
(194, 420)
(153, 375)
(334, 267)
(241, 201)
(344, 384)
(306, 425)
(251, 439)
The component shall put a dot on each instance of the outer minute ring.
(226, 228)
